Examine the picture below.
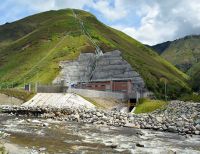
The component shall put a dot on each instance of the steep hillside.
(160, 48)
(185, 54)
(194, 72)
(31, 49)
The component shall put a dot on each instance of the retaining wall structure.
(98, 94)
(108, 67)
(51, 89)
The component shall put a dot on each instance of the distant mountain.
(31, 49)
(184, 53)
(160, 48)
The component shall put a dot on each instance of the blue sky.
(149, 21)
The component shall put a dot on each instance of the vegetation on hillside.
(194, 72)
(31, 49)
(147, 105)
(184, 54)
(194, 97)
(161, 47)
(17, 93)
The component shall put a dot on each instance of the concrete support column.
(129, 85)
(111, 85)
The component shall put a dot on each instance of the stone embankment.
(178, 117)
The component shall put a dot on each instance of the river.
(36, 136)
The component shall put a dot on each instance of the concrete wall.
(51, 89)
(98, 94)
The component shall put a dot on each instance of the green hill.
(31, 49)
(184, 54)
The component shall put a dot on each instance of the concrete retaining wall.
(98, 94)
(51, 89)
(109, 66)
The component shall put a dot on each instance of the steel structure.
(98, 51)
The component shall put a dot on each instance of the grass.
(33, 53)
(147, 105)
(2, 149)
(185, 54)
(194, 72)
(20, 94)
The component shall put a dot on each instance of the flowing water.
(49, 136)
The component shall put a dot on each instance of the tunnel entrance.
(132, 103)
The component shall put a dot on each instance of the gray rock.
(197, 127)
(197, 122)
(197, 132)
(99, 114)
(159, 119)
(127, 146)
(180, 123)
(172, 129)
(45, 124)
(42, 149)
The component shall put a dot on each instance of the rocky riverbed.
(178, 117)
(30, 135)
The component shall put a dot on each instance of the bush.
(20, 94)
(195, 97)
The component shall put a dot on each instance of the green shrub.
(17, 93)
(190, 97)
(146, 105)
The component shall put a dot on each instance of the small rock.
(197, 132)
(45, 124)
(159, 119)
(172, 129)
(28, 120)
(42, 149)
(197, 127)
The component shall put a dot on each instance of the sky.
(149, 21)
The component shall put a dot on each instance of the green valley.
(184, 53)
(31, 49)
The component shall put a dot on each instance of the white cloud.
(155, 20)
(55, 4)
(115, 12)
(164, 20)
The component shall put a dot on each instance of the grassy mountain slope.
(31, 48)
(185, 54)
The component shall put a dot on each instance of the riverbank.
(178, 117)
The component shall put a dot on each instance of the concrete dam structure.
(108, 67)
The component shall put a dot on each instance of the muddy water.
(49, 136)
